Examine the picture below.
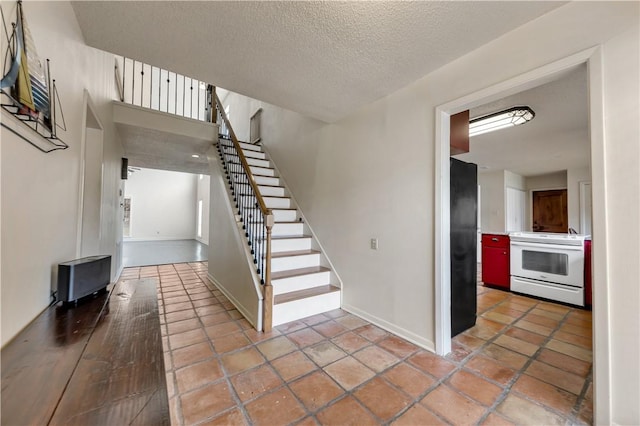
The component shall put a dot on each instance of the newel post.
(268, 289)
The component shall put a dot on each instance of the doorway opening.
(126, 225)
(593, 60)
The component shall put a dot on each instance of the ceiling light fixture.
(195, 155)
(513, 116)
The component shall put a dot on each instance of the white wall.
(513, 180)
(622, 186)
(574, 177)
(371, 174)
(241, 109)
(556, 180)
(203, 193)
(230, 265)
(40, 192)
(163, 205)
(492, 201)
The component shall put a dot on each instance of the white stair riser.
(258, 163)
(260, 180)
(265, 180)
(287, 228)
(254, 154)
(276, 191)
(302, 282)
(285, 215)
(277, 203)
(247, 154)
(262, 171)
(290, 244)
(303, 308)
(294, 262)
(250, 147)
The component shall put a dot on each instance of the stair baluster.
(256, 218)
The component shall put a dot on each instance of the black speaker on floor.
(124, 171)
(82, 277)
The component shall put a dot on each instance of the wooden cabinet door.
(550, 211)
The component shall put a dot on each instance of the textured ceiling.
(321, 59)
(155, 149)
(556, 139)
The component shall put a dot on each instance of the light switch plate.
(374, 244)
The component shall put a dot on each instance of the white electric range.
(548, 265)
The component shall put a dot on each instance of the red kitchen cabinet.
(588, 288)
(495, 261)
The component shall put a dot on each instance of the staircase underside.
(158, 140)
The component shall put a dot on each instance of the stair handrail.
(266, 213)
(243, 160)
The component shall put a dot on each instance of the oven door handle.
(547, 246)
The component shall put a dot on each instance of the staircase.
(303, 282)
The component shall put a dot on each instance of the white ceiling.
(556, 139)
(321, 59)
(155, 149)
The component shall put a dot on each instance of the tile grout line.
(528, 363)
(458, 365)
(217, 356)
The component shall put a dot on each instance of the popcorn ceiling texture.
(321, 59)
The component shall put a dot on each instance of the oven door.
(554, 263)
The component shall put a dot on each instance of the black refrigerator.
(464, 244)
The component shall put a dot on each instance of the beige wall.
(492, 201)
(230, 263)
(372, 174)
(40, 191)
(622, 188)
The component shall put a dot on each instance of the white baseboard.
(200, 240)
(129, 239)
(118, 273)
(239, 306)
(392, 328)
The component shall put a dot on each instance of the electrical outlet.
(374, 244)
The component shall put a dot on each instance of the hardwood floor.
(100, 362)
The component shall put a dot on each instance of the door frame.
(593, 59)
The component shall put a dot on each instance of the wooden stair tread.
(280, 222)
(264, 196)
(255, 174)
(303, 294)
(251, 165)
(289, 273)
(289, 237)
(271, 186)
(293, 253)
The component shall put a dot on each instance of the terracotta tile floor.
(525, 362)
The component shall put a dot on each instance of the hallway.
(144, 253)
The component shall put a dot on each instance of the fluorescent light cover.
(195, 155)
(514, 116)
